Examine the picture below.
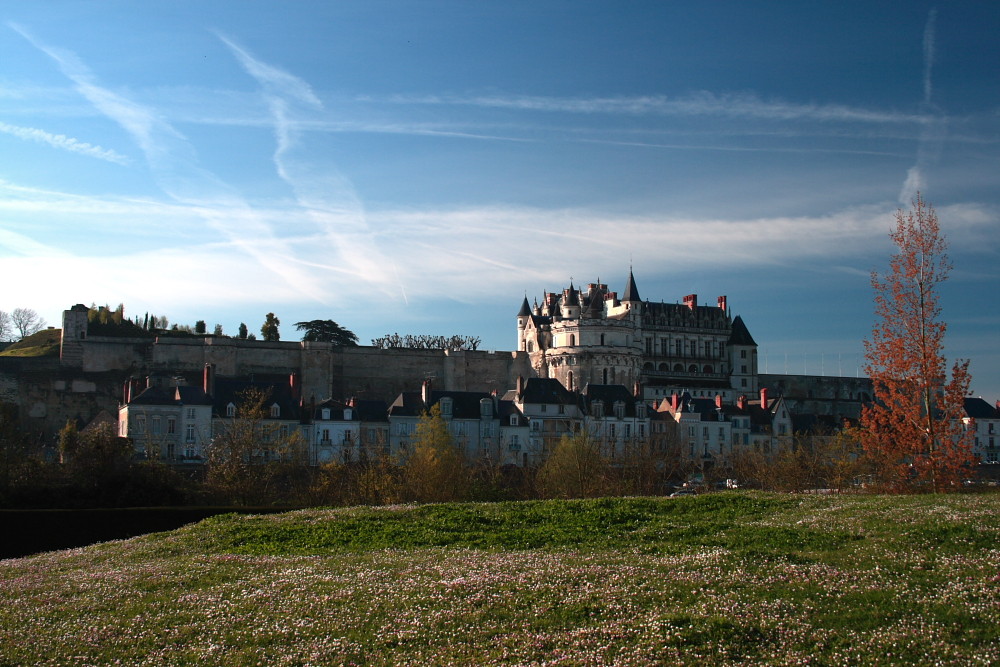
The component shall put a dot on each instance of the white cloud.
(63, 142)
(696, 104)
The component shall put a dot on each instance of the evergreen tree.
(269, 330)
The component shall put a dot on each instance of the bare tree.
(6, 328)
(26, 321)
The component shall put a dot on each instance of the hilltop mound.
(45, 343)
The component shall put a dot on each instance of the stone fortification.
(91, 377)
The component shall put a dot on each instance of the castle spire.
(631, 291)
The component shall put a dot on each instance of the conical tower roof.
(525, 308)
(740, 335)
(631, 291)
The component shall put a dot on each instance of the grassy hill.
(714, 579)
(41, 344)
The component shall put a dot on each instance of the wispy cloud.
(932, 133)
(326, 196)
(63, 142)
(174, 164)
(696, 104)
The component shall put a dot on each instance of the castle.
(592, 336)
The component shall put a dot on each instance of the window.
(283, 431)
(156, 425)
(190, 413)
(536, 425)
(572, 340)
(743, 354)
(446, 408)
(275, 411)
(628, 430)
(171, 425)
(642, 430)
(544, 408)
(612, 430)
(325, 438)
(562, 409)
(230, 410)
(649, 346)
(664, 347)
(743, 369)
(189, 433)
(140, 424)
(189, 453)
(170, 451)
(513, 420)
(326, 413)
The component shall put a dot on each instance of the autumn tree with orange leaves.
(912, 433)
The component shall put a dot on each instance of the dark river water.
(26, 532)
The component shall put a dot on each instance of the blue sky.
(418, 167)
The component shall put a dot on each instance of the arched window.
(707, 368)
(275, 411)
(678, 368)
(572, 340)
(693, 368)
(569, 380)
(605, 373)
(664, 367)
(531, 346)
(648, 366)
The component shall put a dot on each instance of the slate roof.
(609, 394)
(228, 391)
(546, 390)
(740, 334)
(465, 404)
(977, 408)
(631, 291)
(525, 308)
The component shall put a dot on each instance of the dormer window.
(513, 420)
(446, 407)
(619, 410)
(348, 414)
(275, 411)
(231, 410)
(325, 414)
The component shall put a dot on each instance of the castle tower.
(74, 332)
(742, 358)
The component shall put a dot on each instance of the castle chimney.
(763, 398)
(741, 402)
(520, 386)
(722, 302)
(127, 392)
(718, 401)
(208, 379)
(691, 301)
(425, 392)
(293, 384)
(674, 402)
(637, 390)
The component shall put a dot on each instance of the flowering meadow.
(725, 578)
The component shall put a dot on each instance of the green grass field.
(716, 579)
